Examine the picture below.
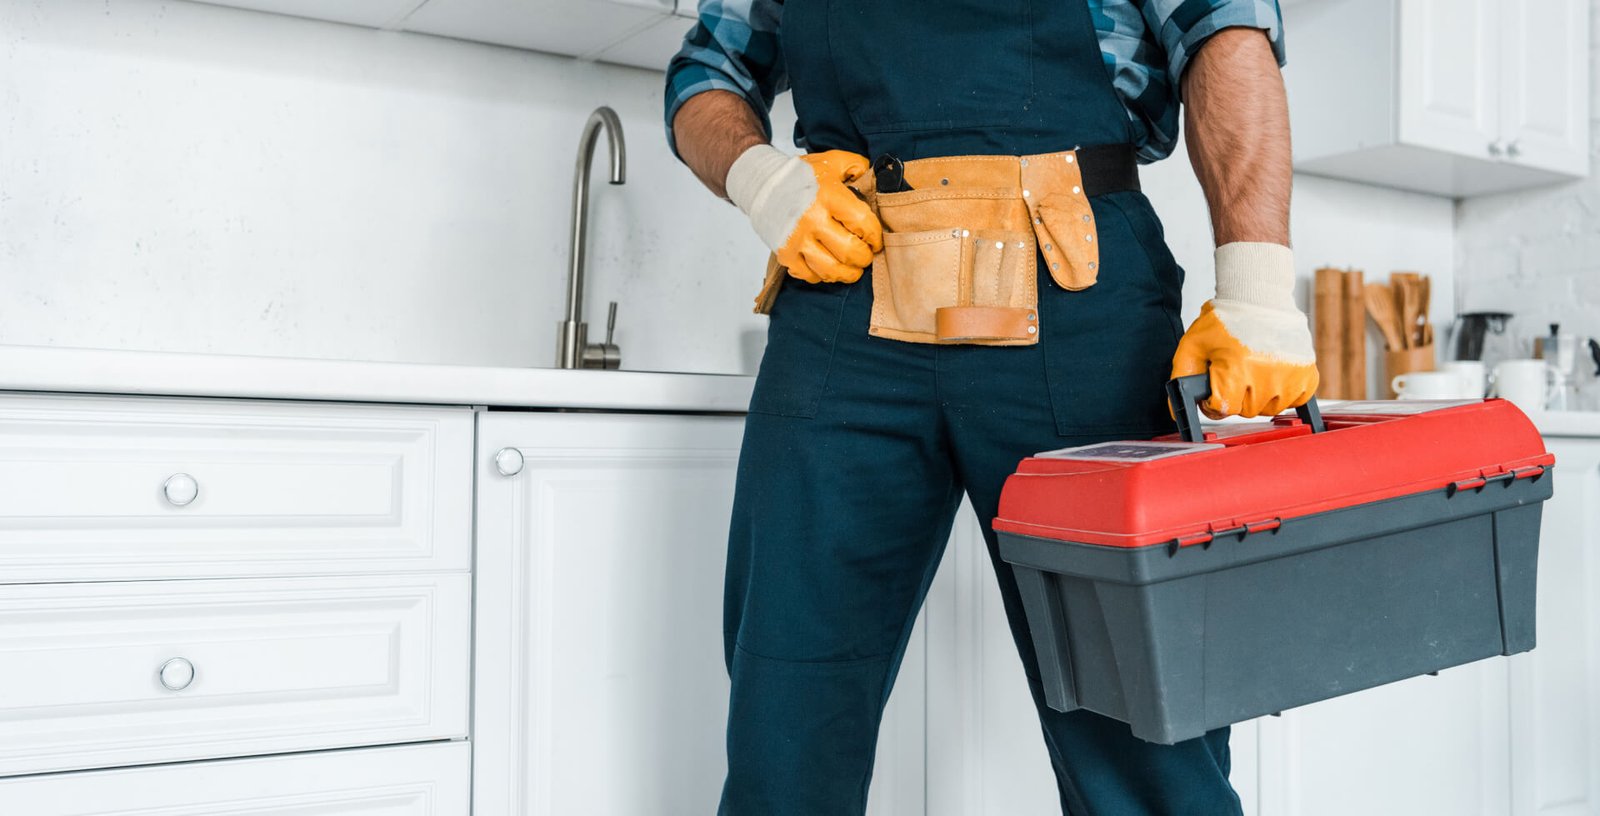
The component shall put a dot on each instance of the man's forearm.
(712, 129)
(1237, 128)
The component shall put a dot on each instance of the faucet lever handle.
(611, 321)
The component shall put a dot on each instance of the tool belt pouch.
(957, 266)
(961, 247)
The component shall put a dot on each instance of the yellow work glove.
(1251, 337)
(801, 208)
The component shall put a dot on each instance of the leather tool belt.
(962, 237)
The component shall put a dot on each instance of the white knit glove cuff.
(1257, 273)
(774, 189)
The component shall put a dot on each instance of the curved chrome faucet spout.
(572, 349)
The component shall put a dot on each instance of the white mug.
(1426, 385)
(1524, 382)
(1473, 377)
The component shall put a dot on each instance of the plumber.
(964, 272)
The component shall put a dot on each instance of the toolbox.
(1203, 579)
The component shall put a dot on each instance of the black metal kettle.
(1481, 336)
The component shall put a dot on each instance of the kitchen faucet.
(572, 347)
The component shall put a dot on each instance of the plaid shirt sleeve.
(1147, 44)
(734, 47)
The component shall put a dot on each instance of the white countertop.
(101, 371)
(1567, 423)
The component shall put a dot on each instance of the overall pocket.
(1108, 349)
(801, 334)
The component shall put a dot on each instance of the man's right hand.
(799, 205)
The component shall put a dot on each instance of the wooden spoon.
(1411, 305)
(1425, 297)
(1381, 306)
(1408, 312)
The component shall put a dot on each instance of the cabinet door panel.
(1449, 75)
(1425, 745)
(263, 665)
(600, 680)
(277, 488)
(986, 755)
(415, 780)
(1544, 106)
(1555, 692)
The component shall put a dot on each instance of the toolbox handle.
(1186, 393)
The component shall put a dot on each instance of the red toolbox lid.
(1257, 474)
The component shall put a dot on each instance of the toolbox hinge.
(1211, 534)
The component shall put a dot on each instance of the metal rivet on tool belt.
(955, 233)
(999, 244)
(1020, 245)
(1024, 162)
(1024, 193)
(1054, 267)
(1069, 158)
(1032, 316)
(1033, 329)
(1077, 190)
(1048, 247)
(1038, 221)
(965, 233)
(1086, 219)
(1092, 265)
(944, 181)
(1089, 237)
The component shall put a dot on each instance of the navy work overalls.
(857, 449)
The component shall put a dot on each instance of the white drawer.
(410, 780)
(283, 488)
(283, 664)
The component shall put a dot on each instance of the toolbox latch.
(1486, 478)
(1211, 534)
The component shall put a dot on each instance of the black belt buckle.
(890, 174)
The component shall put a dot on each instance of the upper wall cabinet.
(642, 33)
(1451, 97)
(374, 13)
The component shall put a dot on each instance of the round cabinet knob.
(1514, 149)
(180, 489)
(1497, 148)
(508, 461)
(176, 674)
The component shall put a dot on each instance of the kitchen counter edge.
(183, 374)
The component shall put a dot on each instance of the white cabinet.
(129, 672)
(642, 33)
(1425, 745)
(1452, 97)
(986, 755)
(101, 488)
(1555, 689)
(1511, 736)
(374, 13)
(189, 580)
(1544, 98)
(600, 685)
(413, 780)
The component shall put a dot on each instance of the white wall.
(184, 177)
(178, 176)
(1537, 253)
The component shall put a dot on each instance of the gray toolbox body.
(1229, 619)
